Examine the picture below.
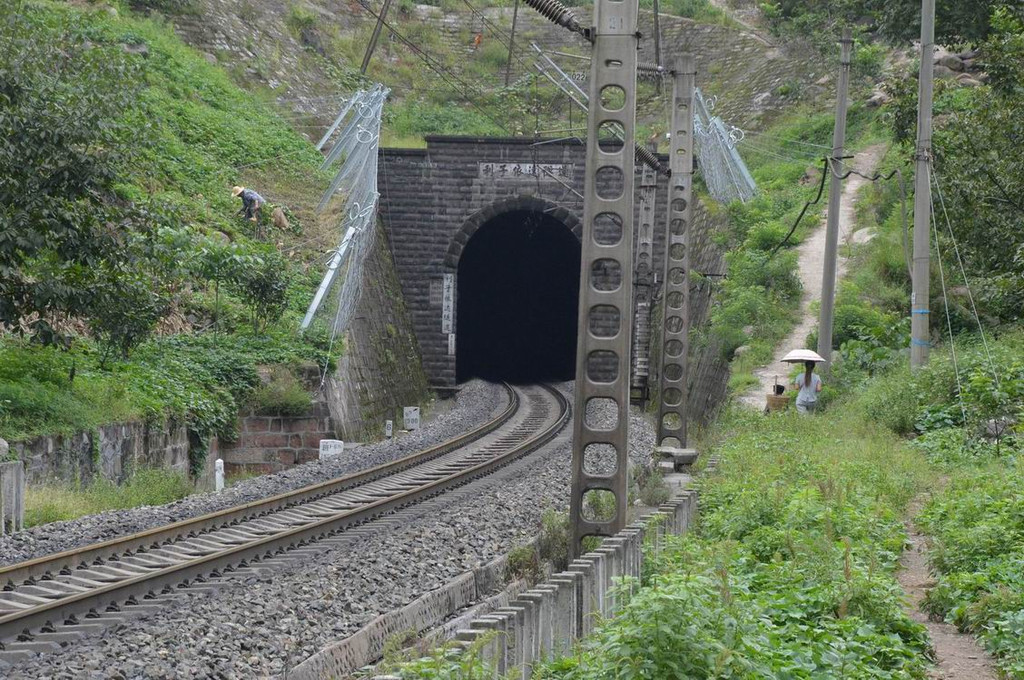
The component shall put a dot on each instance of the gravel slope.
(277, 620)
(476, 403)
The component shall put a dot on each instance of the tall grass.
(58, 502)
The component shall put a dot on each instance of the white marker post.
(411, 417)
(218, 475)
(389, 428)
(331, 448)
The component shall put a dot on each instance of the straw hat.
(236, 191)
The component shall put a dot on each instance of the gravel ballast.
(280, 618)
(475, 404)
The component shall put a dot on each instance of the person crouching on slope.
(809, 385)
(251, 202)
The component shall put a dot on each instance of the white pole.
(219, 475)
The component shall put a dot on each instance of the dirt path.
(811, 261)
(958, 656)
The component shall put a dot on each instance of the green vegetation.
(757, 304)
(46, 503)
(790, 574)
(128, 287)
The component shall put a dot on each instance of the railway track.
(49, 600)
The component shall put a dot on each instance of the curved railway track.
(49, 594)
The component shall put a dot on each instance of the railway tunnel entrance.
(518, 291)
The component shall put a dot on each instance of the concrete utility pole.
(374, 36)
(512, 42)
(835, 194)
(606, 286)
(920, 337)
(673, 412)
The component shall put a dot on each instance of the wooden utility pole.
(375, 35)
(919, 326)
(512, 42)
(828, 278)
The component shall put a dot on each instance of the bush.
(283, 395)
(654, 491)
(553, 542)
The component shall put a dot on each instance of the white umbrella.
(798, 356)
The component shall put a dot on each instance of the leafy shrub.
(654, 491)
(553, 542)
(282, 395)
(524, 563)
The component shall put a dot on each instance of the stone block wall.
(380, 370)
(109, 452)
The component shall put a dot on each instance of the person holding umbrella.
(808, 383)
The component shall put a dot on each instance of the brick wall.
(271, 443)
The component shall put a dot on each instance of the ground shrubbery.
(790, 574)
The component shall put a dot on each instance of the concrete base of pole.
(679, 457)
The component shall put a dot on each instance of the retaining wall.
(12, 496)
(541, 622)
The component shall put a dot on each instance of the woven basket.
(777, 402)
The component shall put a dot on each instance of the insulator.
(645, 155)
(557, 13)
(650, 67)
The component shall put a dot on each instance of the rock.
(811, 176)
(741, 350)
(210, 58)
(952, 62)
(824, 80)
(944, 72)
(877, 99)
(969, 54)
(748, 331)
(997, 427)
(136, 48)
(964, 80)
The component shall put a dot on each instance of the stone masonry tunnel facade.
(440, 204)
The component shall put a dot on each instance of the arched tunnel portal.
(517, 296)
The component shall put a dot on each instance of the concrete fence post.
(12, 496)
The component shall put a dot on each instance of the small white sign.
(411, 417)
(451, 344)
(331, 448)
(447, 303)
(389, 428)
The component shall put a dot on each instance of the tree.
(263, 286)
(62, 106)
(981, 172)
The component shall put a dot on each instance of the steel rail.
(41, 567)
(123, 593)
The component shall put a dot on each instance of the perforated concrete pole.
(606, 284)
(675, 346)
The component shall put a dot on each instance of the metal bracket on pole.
(606, 288)
(675, 343)
(643, 282)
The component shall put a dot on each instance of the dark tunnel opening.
(518, 290)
